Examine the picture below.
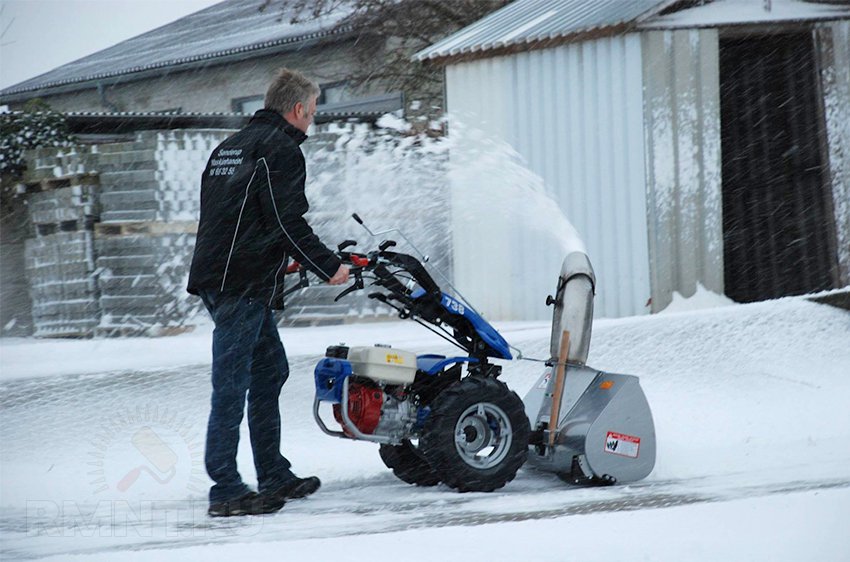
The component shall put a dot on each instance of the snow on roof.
(535, 21)
(224, 29)
(736, 12)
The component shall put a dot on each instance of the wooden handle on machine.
(558, 391)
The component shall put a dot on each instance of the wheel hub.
(474, 435)
(483, 435)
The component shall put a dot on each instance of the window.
(247, 105)
(333, 92)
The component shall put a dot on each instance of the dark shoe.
(297, 488)
(251, 503)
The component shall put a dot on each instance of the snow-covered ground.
(101, 445)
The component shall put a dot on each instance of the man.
(252, 222)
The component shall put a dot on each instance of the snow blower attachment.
(449, 419)
(590, 427)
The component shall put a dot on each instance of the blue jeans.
(248, 358)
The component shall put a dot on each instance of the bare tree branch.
(389, 33)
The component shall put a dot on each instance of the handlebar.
(358, 263)
(405, 285)
(379, 263)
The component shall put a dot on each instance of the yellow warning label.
(395, 358)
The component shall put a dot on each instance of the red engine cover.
(364, 408)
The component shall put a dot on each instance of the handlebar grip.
(346, 244)
(359, 261)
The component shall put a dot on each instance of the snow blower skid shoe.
(436, 418)
(591, 428)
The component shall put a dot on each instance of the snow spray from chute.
(467, 200)
(494, 173)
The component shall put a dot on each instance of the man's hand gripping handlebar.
(357, 261)
(340, 277)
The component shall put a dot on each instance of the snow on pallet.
(59, 258)
(142, 278)
(64, 208)
(60, 267)
(156, 176)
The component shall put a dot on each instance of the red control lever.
(293, 267)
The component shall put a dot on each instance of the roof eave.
(533, 45)
(488, 50)
(754, 25)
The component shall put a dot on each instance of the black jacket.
(252, 214)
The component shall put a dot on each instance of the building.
(147, 111)
(689, 142)
(217, 60)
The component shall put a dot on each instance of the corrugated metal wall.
(575, 114)
(833, 41)
(682, 116)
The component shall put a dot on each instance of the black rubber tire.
(408, 464)
(500, 417)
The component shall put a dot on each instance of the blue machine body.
(330, 373)
(487, 332)
(433, 364)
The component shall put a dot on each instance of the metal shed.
(689, 142)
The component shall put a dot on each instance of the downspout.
(101, 91)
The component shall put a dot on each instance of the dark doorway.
(778, 226)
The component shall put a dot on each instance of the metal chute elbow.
(574, 307)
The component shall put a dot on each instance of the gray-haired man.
(252, 223)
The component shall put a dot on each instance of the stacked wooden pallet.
(150, 198)
(113, 228)
(59, 256)
(142, 278)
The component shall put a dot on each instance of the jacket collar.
(276, 119)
